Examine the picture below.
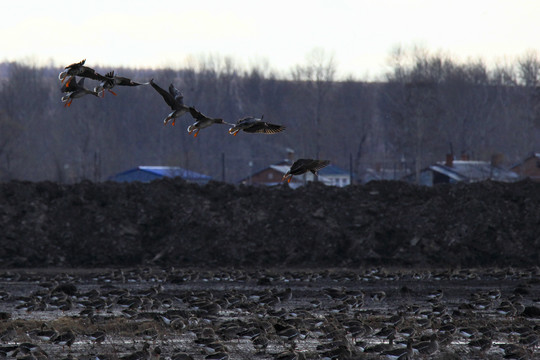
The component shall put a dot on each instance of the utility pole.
(351, 177)
(223, 166)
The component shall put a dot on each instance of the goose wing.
(91, 73)
(264, 127)
(74, 65)
(169, 99)
(300, 166)
(124, 81)
(317, 165)
(177, 96)
(196, 114)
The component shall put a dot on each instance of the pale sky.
(358, 34)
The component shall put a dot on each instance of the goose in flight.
(302, 166)
(112, 81)
(202, 121)
(252, 124)
(174, 99)
(75, 90)
(78, 69)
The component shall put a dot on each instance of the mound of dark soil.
(174, 223)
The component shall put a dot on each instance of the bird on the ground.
(174, 99)
(75, 90)
(400, 353)
(428, 347)
(78, 69)
(65, 339)
(482, 344)
(97, 337)
(112, 81)
(302, 166)
(252, 124)
(44, 333)
(202, 121)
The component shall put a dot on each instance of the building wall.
(529, 168)
(267, 176)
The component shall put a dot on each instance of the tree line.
(426, 105)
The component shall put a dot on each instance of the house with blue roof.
(150, 173)
(453, 171)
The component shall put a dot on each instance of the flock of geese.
(74, 89)
(225, 314)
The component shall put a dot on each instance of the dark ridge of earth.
(173, 223)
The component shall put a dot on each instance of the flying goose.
(174, 99)
(252, 124)
(302, 166)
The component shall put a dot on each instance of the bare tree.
(9, 132)
(529, 69)
(318, 77)
(411, 103)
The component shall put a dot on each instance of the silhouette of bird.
(65, 339)
(78, 69)
(174, 99)
(45, 333)
(112, 81)
(97, 337)
(302, 166)
(75, 90)
(202, 122)
(252, 124)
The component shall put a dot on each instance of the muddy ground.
(245, 314)
(173, 223)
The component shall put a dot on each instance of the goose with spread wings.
(252, 124)
(302, 166)
(174, 99)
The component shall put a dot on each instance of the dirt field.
(338, 314)
(173, 223)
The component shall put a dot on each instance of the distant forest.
(427, 105)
